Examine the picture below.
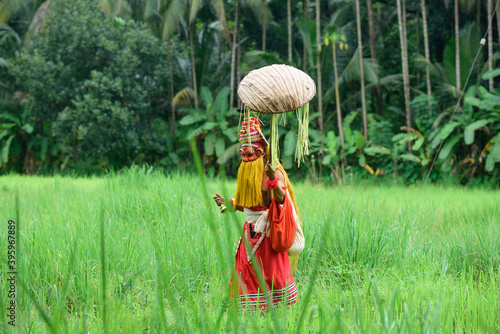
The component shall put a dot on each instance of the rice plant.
(140, 251)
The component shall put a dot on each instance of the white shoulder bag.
(299, 243)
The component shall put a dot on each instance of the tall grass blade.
(104, 296)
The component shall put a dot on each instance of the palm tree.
(265, 22)
(373, 53)
(304, 48)
(194, 7)
(457, 46)
(335, 38)
(263, 15)
(318, 66)
(489, 10)
(361, 71)
(498, 21)
(233, 52)
(404, 61)
(170, 16)
(192, 32)
(426, 47)
(115, 7)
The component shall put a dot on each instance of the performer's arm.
(278, 192)
(236, 207)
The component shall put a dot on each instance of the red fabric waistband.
(258, 208)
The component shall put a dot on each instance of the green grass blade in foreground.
(162, 278)
(358, 310)
(59, 308)
(314, 274)
(103, 274)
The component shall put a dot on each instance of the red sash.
(282, 225)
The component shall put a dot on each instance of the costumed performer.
(258, 184)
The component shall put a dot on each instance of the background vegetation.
(87, 85)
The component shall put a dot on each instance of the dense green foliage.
(385, 259)
(95, 86)
(111, 83)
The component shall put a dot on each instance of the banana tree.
(487, 119)
(335, 38)
(397, 152)
(14, 137)
(334, 156)
(210, 124)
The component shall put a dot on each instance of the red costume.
(279, 286)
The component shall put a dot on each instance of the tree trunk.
(403, 12)
(171, 96)
(233, 53)
(426, 47)
(304, 49)
(238, 62)
(289, 20)
(478, 14)
(264, 28)
(337, 97)
(318, 67)
(404, 61)
(361, 71)
(373, 53)
(498, 22)
(395, 171)
(457, 47)
(489, 10)
(418, 42)
(75, 151)
(192, 31)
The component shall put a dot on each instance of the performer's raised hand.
(270, 172)
(219, 199)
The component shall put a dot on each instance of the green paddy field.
(145, 252)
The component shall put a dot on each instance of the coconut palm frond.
(10, 7)
(184, 98)
(151, 7)
(115, 7)
(371, 70)
(171, 19)
(6, 30)
(260, 10)
(423, 64)
(218, 6)
(393, 79)
(194, 9)
(352, 70)
(37, 22)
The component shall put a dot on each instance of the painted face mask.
(252, 143)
